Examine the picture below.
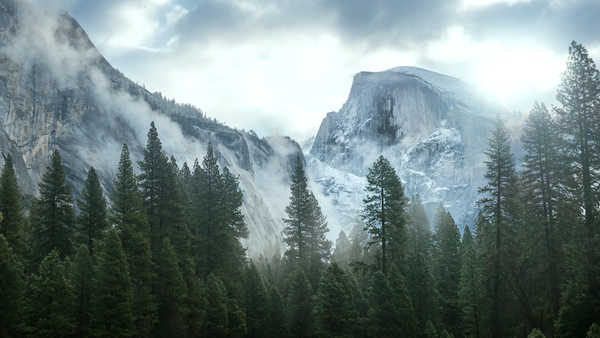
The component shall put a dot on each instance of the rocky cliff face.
(433, 128)
(58, 92)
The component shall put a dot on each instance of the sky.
(278, 66)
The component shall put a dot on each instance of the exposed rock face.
(431, 127)
(58, 92)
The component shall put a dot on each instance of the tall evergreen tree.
(305, 229)
(299, 305)
(419, 275)
(128, 213)
(578, 121)
(151, 181)
(447, 271)
(112, 313)
(11, 224)
(335, 307)
(496, 199)
(52, 214)
(50, 300)
(207, 185)
(383, 211)
(276, 317)
(391, 313)
(92, 220)
(12, 285)
(542, 176)
(217, 320)
(256, 304)
(82, 273)
(469, 292)
(170, 293)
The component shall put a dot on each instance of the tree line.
(162, 255)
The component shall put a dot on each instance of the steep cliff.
(58, 92)
(432, 127)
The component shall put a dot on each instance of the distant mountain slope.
(58, 92)
(432, 127)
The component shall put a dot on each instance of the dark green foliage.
(391, 313)
(536, 333)
(447, 271)
(300, 305)
(12, 285)
(170, 293)
(578, 122)
(50, 300)
(127, 206)
(276, 315)
(52, 215)
(336, 314)
(469, 291)
(497, 198)
(594, 331)
(139, 259)
(82, 273)
(92, 220)
(217, 319)
(305, 230)
(112, 300)
(542, 176)
(383, 212)
(256, 305)
(11, 223)
(217, 223)
(419, 276)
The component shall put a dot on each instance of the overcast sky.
(278, 66)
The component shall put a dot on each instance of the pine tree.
(82, 273)
(447, 271)
(335, 307)
(129, 218)
(170, 293)
(578, 121)
(542, 176)
(501, 177)
(112, 313)
(151, 181)
(469, 291)
(128, 213)
(52, 214)
(256, 305)
(419, 264)
(299, 305)
(305, 229)
(12, 285)
(11, 224)
(383, 211)
(343, 247)
(298, 213)
(92, 220)
(390, 314)
(50, 300)
(276, 315)
(217, 320)
(143, 305)
(207, 185)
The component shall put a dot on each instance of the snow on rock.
(433, 128)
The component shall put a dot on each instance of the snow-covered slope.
(432, 127)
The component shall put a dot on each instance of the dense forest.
(162, 255)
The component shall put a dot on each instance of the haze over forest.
(178, 168)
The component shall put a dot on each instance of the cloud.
(279, 66)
